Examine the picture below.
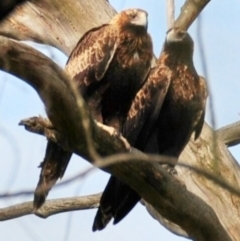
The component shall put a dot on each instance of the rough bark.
(166, 197)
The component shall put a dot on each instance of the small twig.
(50, 207)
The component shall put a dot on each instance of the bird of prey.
(110, 64)
(165, 112)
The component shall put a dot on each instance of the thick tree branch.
(67, 21)
(50, 207)
(59, 23)
(230, 134)
(157, 187)
(37, 125)
(189, 12)
(49, 80)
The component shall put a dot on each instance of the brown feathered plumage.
(166, 111)
(52, 168)
(110, 64)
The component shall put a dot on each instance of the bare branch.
(172, 196)
(189, 12)
(169, 198)
(50, 207)
(59, 23)
(230, 134)
(170, 13)
(27, 63)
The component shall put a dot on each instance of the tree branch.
(230, 134)
(170, 13)
(50, 207)
(59, 23)
(189, 12)
(31, 123)
(157, 187)
(49, 80)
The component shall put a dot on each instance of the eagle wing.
(146, 107)
(118, 199)
(53, 167)
(92, 55)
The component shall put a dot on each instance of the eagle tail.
(130, 200)
(53, 167)
(116, 202)
(102, 218)
(106, 207)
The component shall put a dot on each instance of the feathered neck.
(178, 53)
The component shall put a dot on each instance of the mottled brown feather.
(52, 168)
(103, 55)
(130, 66)
(165, 112)
(93, 52)
(147, 104)
(109, 64)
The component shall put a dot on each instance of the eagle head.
(132, 17)
(137, 17)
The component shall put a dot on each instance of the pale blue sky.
(21, 152)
